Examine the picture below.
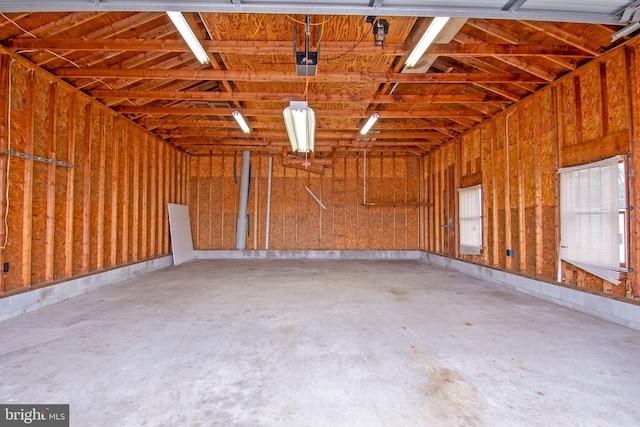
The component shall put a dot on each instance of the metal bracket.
(37, 158)
(630, 13)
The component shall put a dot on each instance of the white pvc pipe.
(241, 229)
(266, 237)
(315, 198)
(364, 179)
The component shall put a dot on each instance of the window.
(470, 219)
(593, 218)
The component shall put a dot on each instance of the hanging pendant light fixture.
(300, 121)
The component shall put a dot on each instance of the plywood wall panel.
(581, 118)
(297, 220)
(101, 154)
(69, 221)
(327, 215)
(216, 201)
(153, 199)
(5, 60)
(617, 85)
(115, 147)
(40, 173)
(205, 207)
(352, 204)
(78, 187)
(107, 189)
(591, 94)
(231, 188)
(135, 235)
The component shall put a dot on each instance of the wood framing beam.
(558, 33)
(479, 49)
(320, 134)
(279, 76)
(254, 47)
(515, 62)
(495, 30)
(284, 142)
(170, 123)
(286, 97)
(192, 111)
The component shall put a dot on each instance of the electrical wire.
(6, 210)
(257, 29)
(304, 23)
(27, 32)
(350, 49)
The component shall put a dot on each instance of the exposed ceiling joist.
(291, 76)
(473, 71)
(286, 97)
(191, 111)
(257, 47)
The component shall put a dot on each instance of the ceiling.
(129, 56)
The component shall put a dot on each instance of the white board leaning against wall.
(180, 228)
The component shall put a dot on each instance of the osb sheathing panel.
(62, 221)
(297, 221)
(584, 117)
(633, 76)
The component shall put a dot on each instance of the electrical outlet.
(5, 267)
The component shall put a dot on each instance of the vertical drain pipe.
(364, 180)
(241, 229)
(266, 236)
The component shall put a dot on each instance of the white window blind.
(470, 219)
(589, 223)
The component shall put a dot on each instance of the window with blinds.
(470, 220)
(591, 232)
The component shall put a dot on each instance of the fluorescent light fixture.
(238, 116)
(427, 38)
(187, 34)
(300, 121)
(367, 126)
(629, 29)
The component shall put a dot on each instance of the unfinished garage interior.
(449, 239)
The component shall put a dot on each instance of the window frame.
(586, 197)
(466, 224)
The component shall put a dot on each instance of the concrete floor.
(320, 343)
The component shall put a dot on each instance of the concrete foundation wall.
(18, 304)
(285, 254)
(620, 312)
